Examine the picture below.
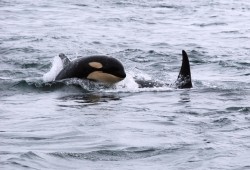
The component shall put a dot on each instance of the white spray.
(56, 67)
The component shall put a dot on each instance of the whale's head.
(105, 69)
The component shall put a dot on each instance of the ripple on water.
(118, 155)
(11, 50)
(239, 109)
(30, 155)
(211, 24)
(86, 99)
(222, 121)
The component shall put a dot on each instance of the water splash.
(56, 67)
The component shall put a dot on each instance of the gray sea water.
(83, 125)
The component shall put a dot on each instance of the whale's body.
(97, 68)
(109, 70)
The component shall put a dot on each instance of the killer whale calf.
(109, 70)
(96, 68)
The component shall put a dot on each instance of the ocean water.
(78, 124)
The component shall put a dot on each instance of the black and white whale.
(184, 78)
(183, 81)
(96, 68)
(109, 70)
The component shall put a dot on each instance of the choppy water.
(81, 125)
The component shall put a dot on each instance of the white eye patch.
(95, 64)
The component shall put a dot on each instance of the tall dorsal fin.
(184, 77)
(64, 59)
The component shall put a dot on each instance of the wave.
(118, 155)
(239, 109)
(234, 64)
(11, 50)
(211, 24)
(70, 84)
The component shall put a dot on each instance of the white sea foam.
(56, 67)
(129, 84)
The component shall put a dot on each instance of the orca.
(109, 70)
(99, 68)
(184, 78)
(183, 81)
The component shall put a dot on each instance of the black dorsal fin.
(184, 77)
(64, 59)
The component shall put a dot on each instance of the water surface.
(83, 125)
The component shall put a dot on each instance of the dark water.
(82, 125)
